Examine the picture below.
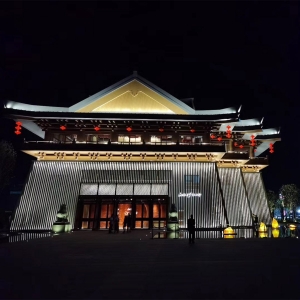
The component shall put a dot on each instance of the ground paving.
(97, 265)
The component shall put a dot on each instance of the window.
(98, 138)
(190, 139)
(161, 139)
(64, 138)
(192, 181)
(129, 139)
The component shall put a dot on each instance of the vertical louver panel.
(234, 193)
(52, 183)
(257, 196)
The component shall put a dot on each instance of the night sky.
(221, 53)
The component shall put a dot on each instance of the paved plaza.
(97, 265)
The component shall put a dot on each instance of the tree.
(290, 194)
(7, 163)
(272, 200)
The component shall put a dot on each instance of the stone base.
(173, 226)
(60, 227)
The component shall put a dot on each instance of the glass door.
(125, 207)
(106, 211)
(143, 213)
(159, 213)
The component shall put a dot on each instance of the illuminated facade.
(134, 147)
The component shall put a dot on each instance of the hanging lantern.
(252, 141)
(241, 146)
(192, 130)
(161, 130)
(219, 139)
(228, 135)
(228, 131)
(18, 128)
(128, 129)
(212, 136)
(63, 127)
(97, 128)
(271, 148)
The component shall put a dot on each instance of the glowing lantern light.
(97, 128)
(241, 146)
(192, 130)
(275, 224)
(271, 148)
(228, 135)
(161, 130)
(228, 132)
(128, 129)
(229, 233)
(275, 233)
(18, 128)
(219, 139)
(262, 230)
(63, 127)
(212, 136)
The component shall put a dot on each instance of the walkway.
(97, 265)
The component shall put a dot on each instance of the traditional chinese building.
(133, 147)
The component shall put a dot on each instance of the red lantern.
(97, 128)
(272, 148)
(18, 128)
(212, 136)
(241, 146)
(192, 130)
(271, 151)
(219, 139)
(161, 130)
(128, 129)
(63, 127)
(228, 135)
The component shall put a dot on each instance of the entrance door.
(107, 209)
(125, 207)
(159, 213)
(143, 213)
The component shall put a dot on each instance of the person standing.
(129, 220)
(125, 223)
(191, 229)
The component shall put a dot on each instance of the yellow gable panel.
(128, 102)
(133, 97)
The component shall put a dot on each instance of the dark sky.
(221, 53)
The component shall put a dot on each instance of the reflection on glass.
(124, 209)
(155, 210)
(138, 224)
(103, 225)
(86, 209)
(92, 211)
(84, 225)
(139, 210)
(163, 210)
(145, 224)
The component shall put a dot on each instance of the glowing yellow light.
(263, 230)
(229, 233)
(275, 233)
(275, 224)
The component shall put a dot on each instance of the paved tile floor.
(97, 265)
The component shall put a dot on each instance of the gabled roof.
(121, 98)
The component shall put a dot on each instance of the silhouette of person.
(191, 229)
(116, 223)
(129, 220)
(111, 224)
(125, 223)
